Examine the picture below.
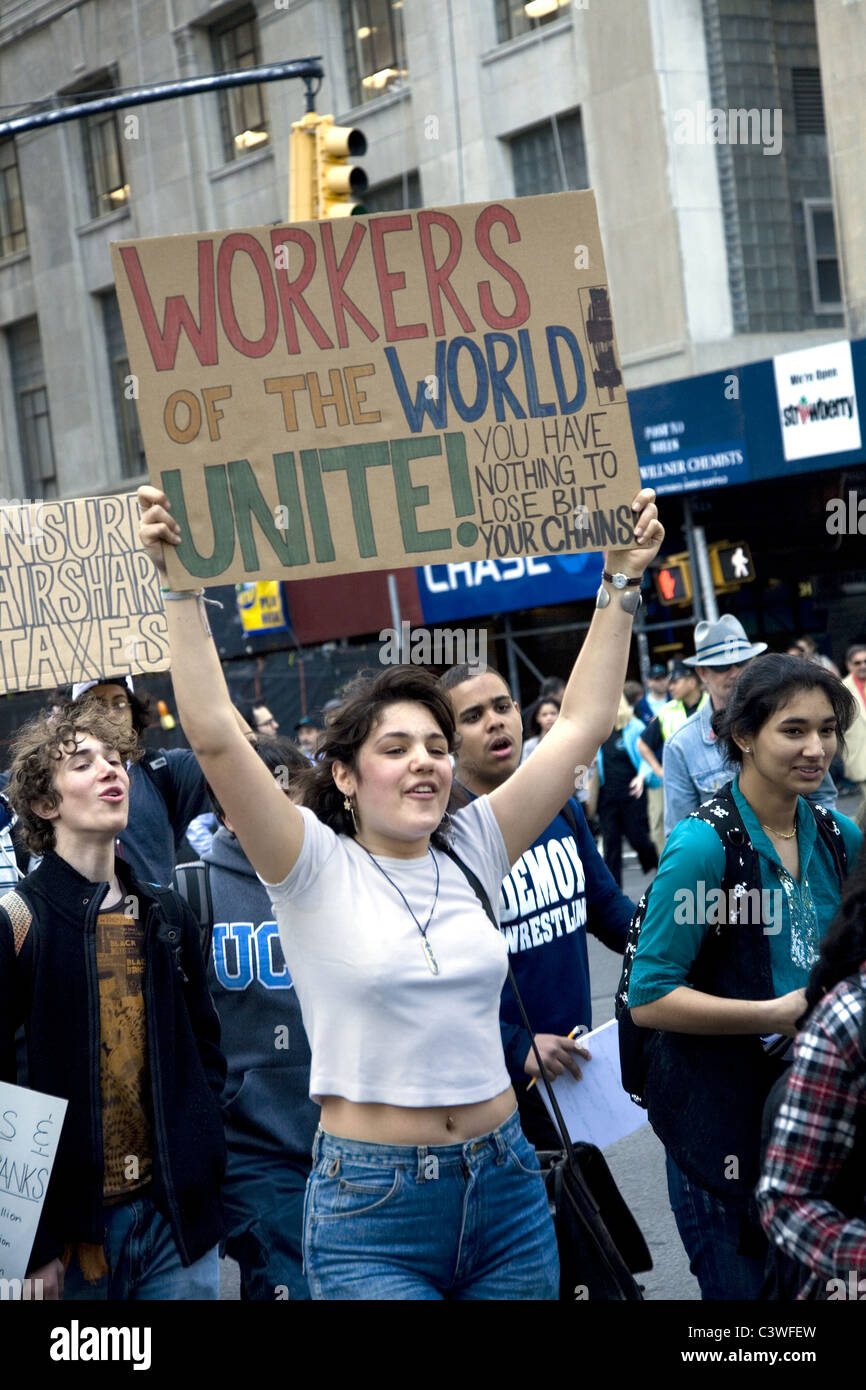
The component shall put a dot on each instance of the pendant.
(432, 962)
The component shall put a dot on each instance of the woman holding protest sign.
(423, 1186)
(720, 951)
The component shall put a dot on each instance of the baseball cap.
(657, 671)
(84, 686)
(680, 669)
(309, 721)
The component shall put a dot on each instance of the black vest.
(705, 1094)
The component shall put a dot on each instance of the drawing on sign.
(400, 390)
(740, 564)
(78, 596)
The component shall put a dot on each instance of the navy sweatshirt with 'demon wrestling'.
(557, 890)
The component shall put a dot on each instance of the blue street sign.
(473, 589)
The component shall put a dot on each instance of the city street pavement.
(637, 1162)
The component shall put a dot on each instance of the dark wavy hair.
(367, 698)
(531, 724)
(843, 949)
(36, 751)
(765, 686)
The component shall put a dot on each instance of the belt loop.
(501, 1144)
(420, 1175)
(316, 1143)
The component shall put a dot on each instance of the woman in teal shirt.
(715, 971)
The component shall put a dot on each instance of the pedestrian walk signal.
(731, 563)
(674, 581)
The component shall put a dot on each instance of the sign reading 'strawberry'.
(817, 401)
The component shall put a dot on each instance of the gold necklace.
(781, 833)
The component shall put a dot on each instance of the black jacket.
(52, 988)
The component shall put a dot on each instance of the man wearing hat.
(686, 698)
(694, 764)
(307, 731)
(649, 705)
(166, 788)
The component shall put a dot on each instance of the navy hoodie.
(266, 1101)
(557, 890)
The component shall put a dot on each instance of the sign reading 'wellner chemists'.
(407, 389)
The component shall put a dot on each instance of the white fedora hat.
(723, 643)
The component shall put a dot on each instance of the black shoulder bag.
(600, 1244)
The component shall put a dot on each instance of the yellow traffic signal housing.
(731, 564)
(323, 184)
(674, 580)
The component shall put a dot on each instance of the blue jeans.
(264, 1205)
(711, 1231)
(449, 1221)
(143, 1261)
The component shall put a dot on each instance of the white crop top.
(381, 1027)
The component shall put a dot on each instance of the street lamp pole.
(310, 70)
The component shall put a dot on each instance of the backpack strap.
(155, 765)
(20, 917)
(192, 883)
(479, 891)
(570, 818)
(828, 829)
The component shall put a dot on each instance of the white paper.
(596, 1109)
(30, 1125)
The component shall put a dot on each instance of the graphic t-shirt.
(126, 1127)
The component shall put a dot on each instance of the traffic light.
(323, 184)
(731, 563)
(674, 580)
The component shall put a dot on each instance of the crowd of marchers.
(263, 1048)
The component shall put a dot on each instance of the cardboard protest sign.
(79, 598)
(29, 1133)
(377, 392)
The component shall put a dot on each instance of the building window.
(36, 446)
(13, 232)
(808, 101)
(823, 256)
(515, 18)
(243, 110)
(103, 151)
(396, 195)
(549, 157)
(375, 47)
(31, 400)
(131, 449)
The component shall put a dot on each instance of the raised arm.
(529, 800)
(269, 827)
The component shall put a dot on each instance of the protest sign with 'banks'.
(30, 1124)
(79, 598)
(377, 392)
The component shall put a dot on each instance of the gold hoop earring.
(349, 808)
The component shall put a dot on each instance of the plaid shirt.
(812, 1137)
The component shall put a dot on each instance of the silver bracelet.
(629, 599)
